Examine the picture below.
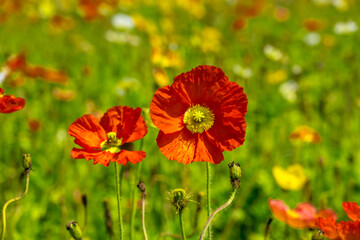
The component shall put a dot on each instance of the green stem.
(27, 175)
(182, 225)
(133, 208)
(143, 215)
(208, 169)
(118, 176)
(216, 211)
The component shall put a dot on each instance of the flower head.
(343, 230)
(105, 141)
(9, 103)
(304, 215)
(199, 116)
(305, 134)
(292, 178)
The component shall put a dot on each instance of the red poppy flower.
(304, 215)
(105, 141)
(199, 116)
(343, 230)
(9, 103)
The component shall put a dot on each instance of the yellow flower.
(292, 178)
(305, 134)
(161, 78)
(276, 77)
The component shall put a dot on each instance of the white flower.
(312, 39)
(288, 90)
(242, 72)
(273, 53)
(122, 21)
(122, 37)
(345, 27)
(296, 69)
(3, 74)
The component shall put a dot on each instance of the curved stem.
(208, 188)
(118, 176)
(182, 225)
(27, 171)
(216, 211)
(143, 215)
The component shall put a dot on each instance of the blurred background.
(298, 64)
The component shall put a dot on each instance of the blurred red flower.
(199, 116)
(105, 141)
(9, 103)
(304, 215)
(343, 230)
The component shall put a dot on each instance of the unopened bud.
(317, 235)
(179, 198)
(74, 230)
(235, 174)
(27, 161)
(142, 188)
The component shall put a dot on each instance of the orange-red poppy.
(343, 230)
(305, 134)
(304, 215)
(9, 103)
(199, 116)
(105, 141)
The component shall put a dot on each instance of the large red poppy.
(343, 230)
(199, 116)
(105, 141)
(9, 103)
(304, 215)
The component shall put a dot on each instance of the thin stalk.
(182, 225)
(118, 176)
(27, 175)
(208, 193)
(143, 215)
(133, 208)
(216, 211)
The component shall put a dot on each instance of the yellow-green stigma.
(198, 119)
(112, 144)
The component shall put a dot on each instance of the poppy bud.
(317, 235)
(27, 161)
(142, 188)
(235, 174)
(74, 230)
(179, 198)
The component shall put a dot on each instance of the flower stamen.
(112, 144)
(198, 119)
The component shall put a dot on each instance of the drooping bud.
(27, 161)
(74, 230)
(142, 188)
(179, 198)
(235, 174)
(317, 235)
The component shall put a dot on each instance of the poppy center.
(198, 119)
(112, 144)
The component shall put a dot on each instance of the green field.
(292, 77)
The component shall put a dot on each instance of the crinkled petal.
(349, 230)
(100, 157)
(167, 109)
(87, 132)
(125, 156)
(9, 104)
(328, 226)
(126, 122)
(185, 147)
(352, 210)
(325, 213)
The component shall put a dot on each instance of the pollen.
(112, 144)
(198, 119)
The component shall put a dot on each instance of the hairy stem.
(143, 215)
(118, 176)
(27, 175)
(182, 225)
(208, 169)
(216, 211)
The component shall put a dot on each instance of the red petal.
(278, 209)
(100, 157)
(9, 103)
(167, 109)
(328, 226)
(349, 230)
(186, 147)
(352, 210)
(125, 156)
(87, 132)
(126, 122)
(325, 213)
